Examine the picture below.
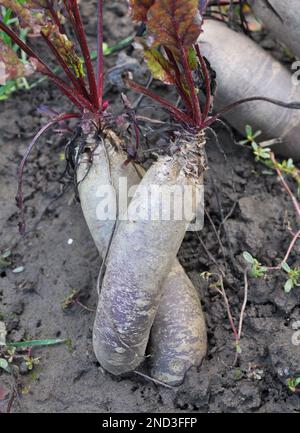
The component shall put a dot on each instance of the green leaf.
(159, 66)
(249, 131)
(263, 269)
(192, 58)
(106, 49)
(247, 256)
(297, 381)
(33, 343)
(265, 153)
(286, 267)
(288, 286)
(238, 349)
(256, 134)
(5, 365)
(6, 254)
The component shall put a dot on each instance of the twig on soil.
(227, 216)
(92, 310)
(217, 236)
(291, 246)
(221, 210)
(237, 332)
(209, 254)
(156, 381)
(285, 184)
(242, 312)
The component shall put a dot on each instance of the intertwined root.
(137, 289)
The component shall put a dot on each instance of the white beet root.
(246, 70)
(140, 258)
(178, 336)
(185, 327)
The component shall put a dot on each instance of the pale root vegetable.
(282, 18)
(178, 336)
(106, 170)
(246, 70)
(141, 256)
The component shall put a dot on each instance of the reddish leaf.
(175, 24)
(11, 67)
(27, 13)
(139, 9)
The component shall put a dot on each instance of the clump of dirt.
(248, 207)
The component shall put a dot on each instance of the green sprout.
(294, 277)
(294, 384)
(257, 269)
(250, 136)
(263, 155)
(5, 261)
(12, 354)
(31, 362)
(69, 300)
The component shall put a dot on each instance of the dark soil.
(257, 211)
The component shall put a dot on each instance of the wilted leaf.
(11, 66)
(160, 67)
(28, 13)
(139, 9)
(175, 24)
(65, 48)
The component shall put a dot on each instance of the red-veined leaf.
(139, 9)
(175, 24)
